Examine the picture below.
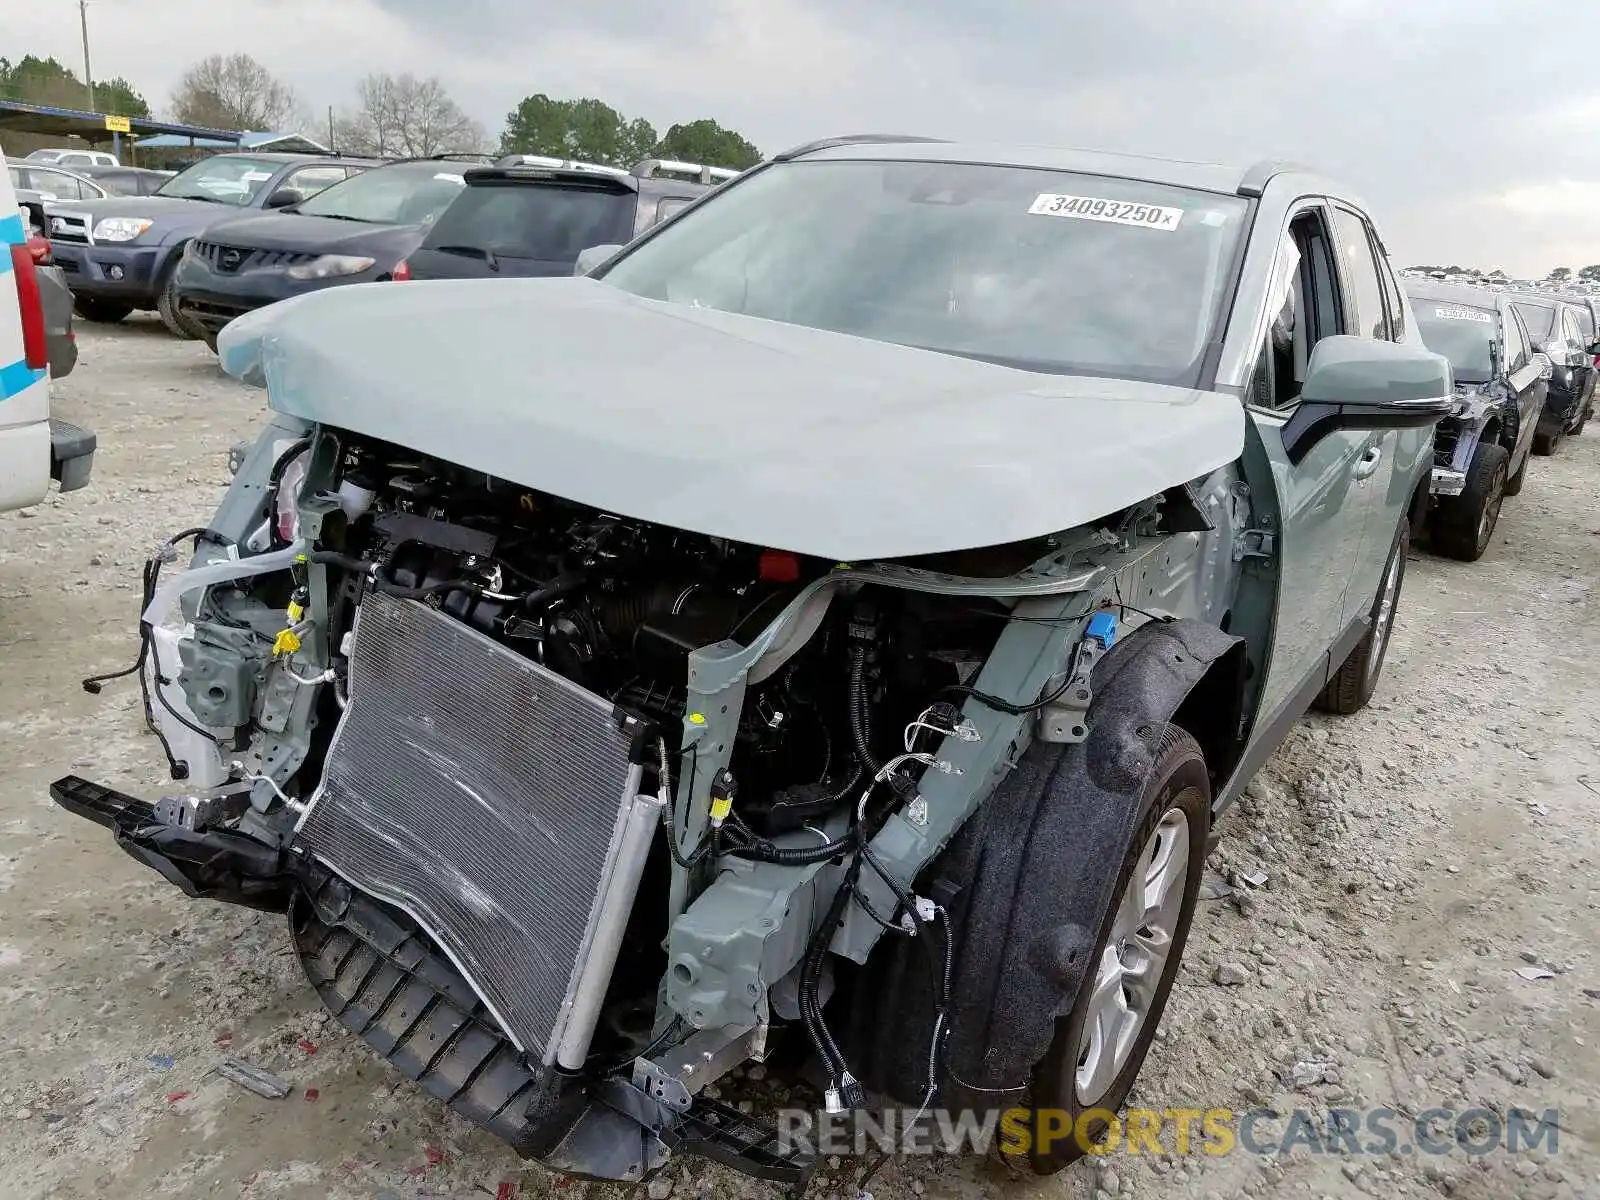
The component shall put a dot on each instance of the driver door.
(1322, 516)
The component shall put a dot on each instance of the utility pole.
(83, 21)
(331, 145)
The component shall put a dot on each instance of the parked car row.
(238, 231)
(1524, 371)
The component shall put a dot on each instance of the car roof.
(1541, 299)
(1201, 176)
(1456, 293)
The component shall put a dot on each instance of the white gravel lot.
(1417, 858)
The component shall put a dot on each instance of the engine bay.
(617, 606)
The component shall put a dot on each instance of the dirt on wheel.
(1400, 917)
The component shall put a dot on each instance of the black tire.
(167, 308)
(1464, 524)
(1583, 419)
(1353, 685)
(101, 312)
(1178, 783)
(1515, 482)
(1546, 444)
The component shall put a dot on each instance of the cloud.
(1420, 105)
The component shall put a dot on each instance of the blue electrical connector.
(1102, 628)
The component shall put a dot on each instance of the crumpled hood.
(770, 434)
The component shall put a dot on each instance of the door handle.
(1368, 462)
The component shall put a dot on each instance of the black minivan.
(528, 216)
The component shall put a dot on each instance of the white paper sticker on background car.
(1463, 314)
(461, 179)
(1118, 212)
(256, 176)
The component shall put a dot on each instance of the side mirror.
(285, 198)
(592, 257)
(1361, 383)
(1592, 348)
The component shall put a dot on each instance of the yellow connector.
(287, 642)
(721, 806)
(295, 612)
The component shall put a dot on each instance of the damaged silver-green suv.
(825, 633)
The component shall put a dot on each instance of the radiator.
(495, 802)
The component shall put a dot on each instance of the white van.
(35, 343)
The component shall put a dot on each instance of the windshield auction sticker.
(1463, 314)
(1118, 212)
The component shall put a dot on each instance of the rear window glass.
(1461, 333)
(543, 222)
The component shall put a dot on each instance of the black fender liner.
(1024, 897)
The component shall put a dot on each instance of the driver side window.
(1305, 309)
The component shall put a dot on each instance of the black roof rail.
(854, 139)
(1257, 177)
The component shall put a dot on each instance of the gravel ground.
(1420, 861)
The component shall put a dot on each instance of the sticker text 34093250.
(1118, 212)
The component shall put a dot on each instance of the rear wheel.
(1515, 482)
(1100, 1045)
(1465, 524)
(1352, 686)
(102, 312)
(1583, 419)
(1545, 444)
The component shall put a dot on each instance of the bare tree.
(406, 116)
(233, 92)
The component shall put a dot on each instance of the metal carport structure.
(96, 128)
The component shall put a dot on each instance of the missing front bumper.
(388, 981)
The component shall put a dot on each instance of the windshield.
(1042, 270)
(539, 221)
(1539, 320)
(224, 178)
(405, 194)
(1460, 333)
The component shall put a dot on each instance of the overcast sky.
(1453, 118)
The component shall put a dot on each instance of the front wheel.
(1101, 1043)
(1352, 686)
(102, 312)
(167, 310)
(1464, 524)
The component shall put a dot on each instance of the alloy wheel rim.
(1491, 511)
(1385, 617)
(1135, 957)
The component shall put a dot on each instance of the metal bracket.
(1066, 720)
(1254, 543)
(199, 813)
(706, 1056)
(666, 1089)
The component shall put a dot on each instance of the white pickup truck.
(35, 344)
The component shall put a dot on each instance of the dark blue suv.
(121, 253)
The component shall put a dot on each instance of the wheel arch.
(1027, 877)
